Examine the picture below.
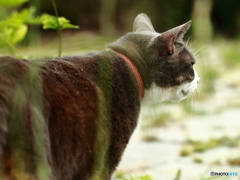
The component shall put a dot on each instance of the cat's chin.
(176, 93)
(158, 94)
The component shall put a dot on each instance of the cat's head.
(165, 64)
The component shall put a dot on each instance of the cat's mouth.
(185, 93)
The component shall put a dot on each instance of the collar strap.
(135, 72)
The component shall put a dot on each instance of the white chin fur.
(177, 93)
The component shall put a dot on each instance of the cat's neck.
(131, 49)
(135, 72)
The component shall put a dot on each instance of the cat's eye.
(178, 44)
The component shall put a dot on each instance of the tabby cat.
(70, 118)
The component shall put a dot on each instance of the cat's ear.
(142, 23)
(175, 35)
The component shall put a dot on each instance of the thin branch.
(58, 30)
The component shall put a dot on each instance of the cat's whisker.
(200, 50)
(193, 100)
(188, 42)
(197, 55)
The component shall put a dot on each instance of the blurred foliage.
(14, 27)
(208, 75)
(225, 15)
(201, 146)
(201, 18)
(234, 161)
(10, 3)
(197, 160)
(231, 54)
(136, 177)
(121, 175)
(51, 22)
(160, 119)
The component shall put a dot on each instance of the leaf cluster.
(14, 28)
(57, 23)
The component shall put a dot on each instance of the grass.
(153, 117)
(193, 147)
(197, 160)
(234, 161)
(135, 177)
(186, 150)
(149, 137)
(158, 119)
(208, 74)
(231, 54)
(121, 175)
(201, 146)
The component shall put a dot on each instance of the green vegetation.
(231, 54)
(234, 161)
(193, 147)
(158, 119)
(14, 25)
(13, 29)
(208, 75)
(136, 177)
(197, 160)
(149, 137)
(200, 146)
(121, 175)
(178, 175)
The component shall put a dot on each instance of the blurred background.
(185, 140)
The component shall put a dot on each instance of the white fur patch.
(176, 93)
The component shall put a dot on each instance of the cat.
(70, 118)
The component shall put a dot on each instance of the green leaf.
(14, 28)
(12, 3)
(28, 16)
(65, 23)
(52, 22)
(49, 21)
(12, 33)
(17, 33)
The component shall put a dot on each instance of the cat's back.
(69, 98)
(89, 110)
(71, 101)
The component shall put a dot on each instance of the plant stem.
(11, 46)
(58, 30)
(60, 42)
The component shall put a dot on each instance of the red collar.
(135, 72)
